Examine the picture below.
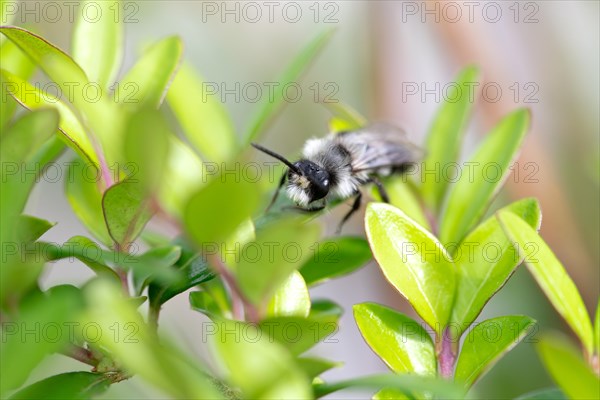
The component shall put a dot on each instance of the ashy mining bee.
(337, 165)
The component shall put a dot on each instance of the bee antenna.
(277, 156)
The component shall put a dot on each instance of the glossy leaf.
(487, 343)
(147, 82)
(17, 63)
(70, 385)
(566, 366)
(398, 340)
(84, 190)
(32, 98)
(469, 198)
(550, 275)
(543, 394)
(403, 196)
(445, 135)
(485, 260)
(98, 43)
(126, 212)
(260, 368)
(292, 73)
(405, 383)
(160, 364)
(56, 308)
(215, 211)
(194, 270)
(291, 298)
(278, 250)
(204, 119)
(413, 261)
(336, 257)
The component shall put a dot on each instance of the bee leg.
(276, 194)
(304, 210)
(355, 207)
(381, 189)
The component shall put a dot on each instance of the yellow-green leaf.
(550, 274)
(413, 261)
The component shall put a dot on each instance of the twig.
(81, 354)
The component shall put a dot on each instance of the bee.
(338, 165)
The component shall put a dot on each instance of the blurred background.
(391, 60)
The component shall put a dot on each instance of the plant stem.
(81, 354)
(447, 355)
(238, 299)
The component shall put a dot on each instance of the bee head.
(307, 182)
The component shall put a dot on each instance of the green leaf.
(484, 262)
(261, 369)
(126, 212)
(564, 363)
(291, 298)
(413, 261)
(21, 149)
(154, 261)
(299, 334)
(205, 121)
(183, 177)
(70, 385)
(325, 307)
(292, 73)
(32, 98)
(469, 198)
(267, 262)
(336, 257)
(17, 63)
(215, 211)
(206, 304)
(403, 196)
(56, 63)
(314, 367)
(84, 190)
(445, 135)
(398, 340)
(543, 394)
(29, 228)
(147, 82)
(137, 348)
(390, 394)
(98, 44)
(550, 275)
(487, 343)
(193, 268)
(147, 148)
(44, 312)
(405, 383)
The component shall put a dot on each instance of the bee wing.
(380, 145)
